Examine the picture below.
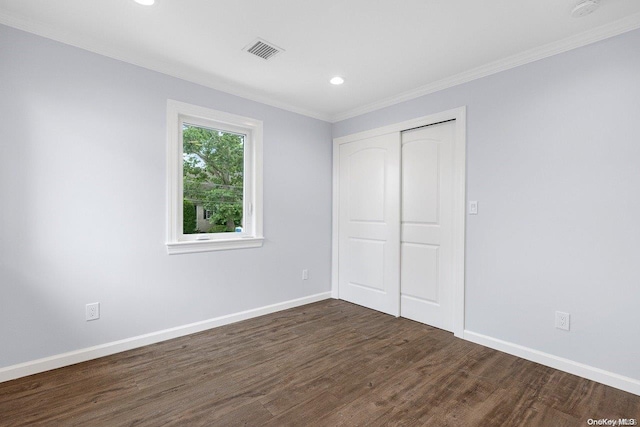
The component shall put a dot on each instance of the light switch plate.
(473, 207)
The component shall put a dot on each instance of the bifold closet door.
(427, 225)
(369, 223)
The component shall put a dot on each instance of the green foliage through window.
(213, 165)
(188, 217)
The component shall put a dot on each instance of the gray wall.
(553, 150)
(554, 160)
(82, 189)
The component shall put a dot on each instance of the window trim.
(251, 237)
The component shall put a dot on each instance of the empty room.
(319, 213)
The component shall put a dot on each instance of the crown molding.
(612, 29)
(629, 23)
(150, 63)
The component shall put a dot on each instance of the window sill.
(213, 245)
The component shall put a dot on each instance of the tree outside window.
(214, 180)
(213, 166)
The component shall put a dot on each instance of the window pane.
(213, 175)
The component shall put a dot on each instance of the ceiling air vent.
(263, 49)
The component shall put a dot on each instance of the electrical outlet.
(92, 311)
(305, 274)
(562, 320)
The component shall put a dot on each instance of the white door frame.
(459, 190)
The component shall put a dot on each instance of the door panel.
(420, 271)
(420, 173)
(366, 185)
(427, 209)
(368, 221)
(366, 263)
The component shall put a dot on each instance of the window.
(214, 180)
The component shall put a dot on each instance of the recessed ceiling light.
(337, 80)
(145, 2)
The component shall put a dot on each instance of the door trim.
(459, 197)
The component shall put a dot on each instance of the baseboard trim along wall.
(65, 359)
(589, 372)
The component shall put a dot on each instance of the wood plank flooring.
(325, 364)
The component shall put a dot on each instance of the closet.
(399, 219)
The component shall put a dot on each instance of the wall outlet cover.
(92, 311)
(563, 320)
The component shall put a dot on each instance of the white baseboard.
(621, 382)
(65, 359)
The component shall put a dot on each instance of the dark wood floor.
(325, 364)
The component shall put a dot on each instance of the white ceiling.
(387, 50)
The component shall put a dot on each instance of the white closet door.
(369, 223)
(426, 238)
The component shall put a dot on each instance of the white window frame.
(179, 113)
